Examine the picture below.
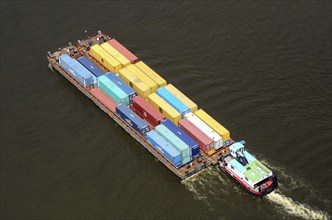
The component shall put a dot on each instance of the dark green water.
(261, 68)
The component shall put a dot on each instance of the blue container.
(186, 160)
(173, 101)
(122, 85)
(184, 137)
(90, 66)
(132, 119)
(174, 140)
(227, 142)
(166, 148)
(112, 90)
(79, 72)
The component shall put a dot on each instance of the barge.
(157, 115)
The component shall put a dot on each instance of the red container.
(205, 143)
(105, 99)
(124, 51)
(142, 117)
(146, 111)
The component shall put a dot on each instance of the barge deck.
(195, 166)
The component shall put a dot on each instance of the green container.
(173, 139)
(112, 90)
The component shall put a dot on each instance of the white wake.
(295, 208)
(202, 186)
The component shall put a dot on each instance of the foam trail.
(196, 185)
(201, 184)
(295, 208)
(295, 183)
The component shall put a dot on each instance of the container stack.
(153, 100)
(105, 58)
(107, 101)
(142, 108)
(132, 119)
(124, 51)
(140, 87)
(205, 143)
(169, 120)
(194, 147)
(112, 90)
(144, 78)
(75, 69)
(96, 71)
(122, 85)
(163, 107)
(176, 142)
(217, 140)
(216, 126)
(182, 97)
(173, 101)
(164, 147)
(151, 73)
(116, 54)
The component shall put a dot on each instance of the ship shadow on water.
(213, 187)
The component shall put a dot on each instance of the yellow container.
(105, 58)
(191, 105)
(134, 82)
(149, 82)
(163, 107)
(211, 152)
(116, 54)
(216, 126)
(151, 73)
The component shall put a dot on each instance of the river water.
(261, 68)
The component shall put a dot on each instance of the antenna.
(86, 33)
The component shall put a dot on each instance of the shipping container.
(134, 82)
(151, 73)
(205, 143)
(216, 126)
(173, 101)
(217, 140)
(166, 148)
(124, 51)
(132, 119)
(191, 105)
(149, 82)
(151, 127)
(142, 117)
(75, 69)
(105, 58)
(186, 160)
(90, 66)
(122, 85)
(112, 90)
(147, 111)
(163, 107)
(107, 101)
(194, 147)
(174, 140)
(116, 54)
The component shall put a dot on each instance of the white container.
(201, 125)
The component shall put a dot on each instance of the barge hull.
(183, 173)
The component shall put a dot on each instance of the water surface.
(261, 68)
